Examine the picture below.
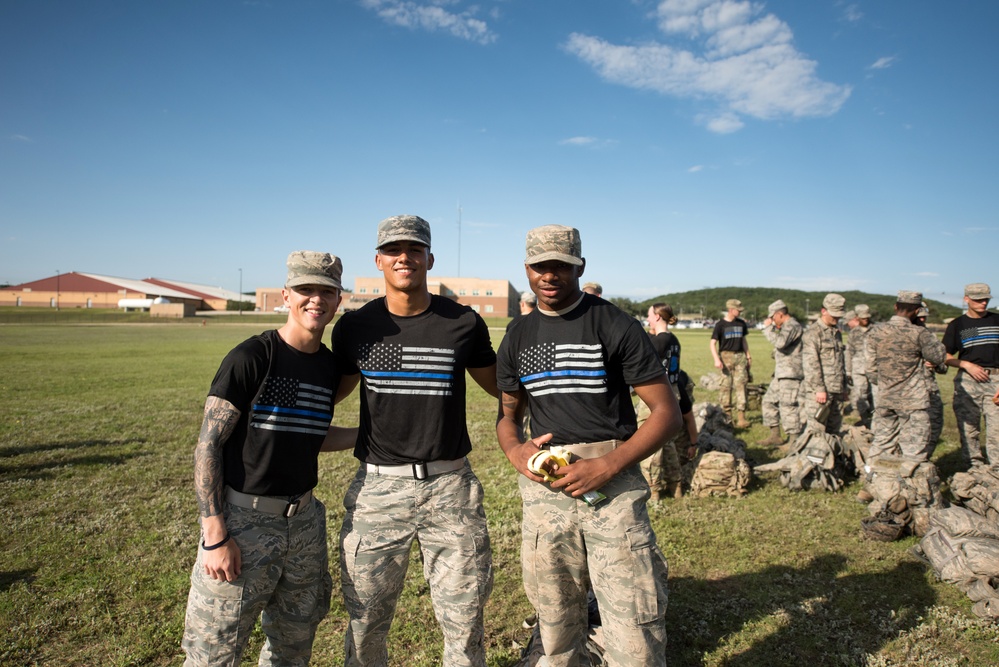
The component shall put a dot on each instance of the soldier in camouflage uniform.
(931, 372)
(824, 365)
(897, 353)
(410, 350)
(972, 342)
(730, 350)
(781, 402)
(263, 549)
(861, 398)
(571, 362)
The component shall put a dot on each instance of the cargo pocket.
(649, 575)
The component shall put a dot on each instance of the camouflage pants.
(861, 398)
(735, 377)
(833, 423)
(780, 405)
(444, 514)
(567, 545)
(904, 433)
(662, 469)
(285, 576)
(972, 402)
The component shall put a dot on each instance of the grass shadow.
(8, 579)
(49, 469)
(54, 446)
(812, 615)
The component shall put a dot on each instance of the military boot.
(741, 421)
(774, 440)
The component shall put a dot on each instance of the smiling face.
(555, 283)
(404, 265)
(311, 307)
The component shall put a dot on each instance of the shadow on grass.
(8, 579)
(794, 616)
(49, 468)
(54, 446)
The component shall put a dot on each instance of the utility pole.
(459, 238)
(240, 302)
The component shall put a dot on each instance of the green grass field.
(97, 430)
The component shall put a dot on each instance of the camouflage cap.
(734, 303)
(850, 314)
(863, 311)
(597, 288)
(554, 242)
(909, 298)
(923, 311)
(403, 228)
(834, 304)
(775, 306)
(529, 297)
(977, 291)
(308, 267)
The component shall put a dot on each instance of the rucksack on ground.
(815, 460)
(720, 474)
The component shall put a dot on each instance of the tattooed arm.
(221, 416)
(510, 434)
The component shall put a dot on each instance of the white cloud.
(433, 16)
(20, 137)
(852, 13)
(883, 63)
(927, 274)
(696, 168)
(822, 284)
(745, 63)
(591, 142)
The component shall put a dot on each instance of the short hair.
(909, 309)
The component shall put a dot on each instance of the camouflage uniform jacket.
(896, 351)
(856, 353)
(822, 358)
(787, 349)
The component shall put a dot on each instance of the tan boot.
(678, 490)
(741, 421)
(774, 440)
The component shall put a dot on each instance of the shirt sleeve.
(343, 361)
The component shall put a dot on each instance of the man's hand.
(583, 475)
(821, 397)
(519, 455)
(975, 371)
(224, 563)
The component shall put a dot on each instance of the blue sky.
(819, 145)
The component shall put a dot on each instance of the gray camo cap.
(923, 311)
(834, 304)
(554, 242)
(909, 298)
(775, 306)
(863, 311)
(308, 267)
(977, 291)
(403, 228)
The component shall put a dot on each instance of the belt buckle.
(420, 470)
(292, 509)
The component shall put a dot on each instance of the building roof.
(150, 287)
(201, 291)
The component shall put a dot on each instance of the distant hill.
(711, 303)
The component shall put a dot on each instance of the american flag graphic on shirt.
(565, 368)
(392, 368)
(286, 404)
(976, 336)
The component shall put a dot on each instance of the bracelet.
(215, 546)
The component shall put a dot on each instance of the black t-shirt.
(577, 370)
(413, 378)
(285, 398)
(974, 339)
(730, 334)
(668, 348)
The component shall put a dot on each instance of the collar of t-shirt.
(564, 311)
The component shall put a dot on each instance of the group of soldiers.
(885, 373)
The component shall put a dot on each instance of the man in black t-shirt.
(410, 350)
(263, 550)
(571, 362)
(972, 342)
(730, 350)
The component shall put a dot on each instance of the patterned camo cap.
(977, 291)
(910, 298)
(734, 303)
(835, 305)
(863, 311)
(308, 267)
(775, 306)
(403, 228)
(923, 311)
(554, 242)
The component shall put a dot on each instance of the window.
(377, 290)
(475, 307)
(489, 292)
(489, 308)
(461, 292)
(362, 290)
(475, 292)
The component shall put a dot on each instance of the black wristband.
(215, 546)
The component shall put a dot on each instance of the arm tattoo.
(220, 420)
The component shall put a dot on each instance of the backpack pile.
(815, 460)
(902, 493)
(720, 467)
(962, 542)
